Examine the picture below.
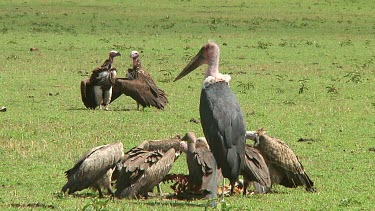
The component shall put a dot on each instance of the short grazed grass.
(301, 69)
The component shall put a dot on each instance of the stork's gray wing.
(224, 127)
(92, 166)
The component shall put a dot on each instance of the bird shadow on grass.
(172, 203)
(114, 110)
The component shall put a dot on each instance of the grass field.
(300, 69)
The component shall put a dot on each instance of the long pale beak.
(197, 61)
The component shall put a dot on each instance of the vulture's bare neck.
(136, 63)
(191, 146)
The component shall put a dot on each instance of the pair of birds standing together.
(224, 128)
(103, 86)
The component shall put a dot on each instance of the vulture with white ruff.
(96, 91)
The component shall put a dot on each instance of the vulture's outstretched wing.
(88, 94)
(139, 91)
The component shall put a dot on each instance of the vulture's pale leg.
(222, 191)
(98, 96)
(107, 98)
(110, 191)
(159, 189)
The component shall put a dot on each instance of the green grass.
(299, 68)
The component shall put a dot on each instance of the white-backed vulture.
(284, 166)
(94, 169)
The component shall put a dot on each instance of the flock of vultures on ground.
(221, 153)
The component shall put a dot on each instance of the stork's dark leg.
(100, 193)
(245, 186)
(232, 184)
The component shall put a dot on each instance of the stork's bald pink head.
(113, 54)
(208, 54)
(134, 54)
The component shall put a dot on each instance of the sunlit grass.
(300, 70)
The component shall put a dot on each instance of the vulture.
(137, 90)
(284, 166)
(255, 170)
(221, 116)
(150, 87)
(201, 168)
(145, 166)
(96, 91)
(95, 169)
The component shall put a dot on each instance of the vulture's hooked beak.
(114, 54)
(251, 135)
(256, 141)
(197, 61)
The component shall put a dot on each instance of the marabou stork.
(139, 74)
(145, 166)
(95, 169)
(222, 119)
(201, 167)
(284, 166)
(97, 90)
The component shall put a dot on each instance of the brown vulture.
(139, 74)
(95, 169)
(201, 166)
(255, 170)
(284, 166)
(139, 91)
(145, 166)
(97, 90)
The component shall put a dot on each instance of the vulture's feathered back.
(285, 167)
(94, 169)
(142, 171)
